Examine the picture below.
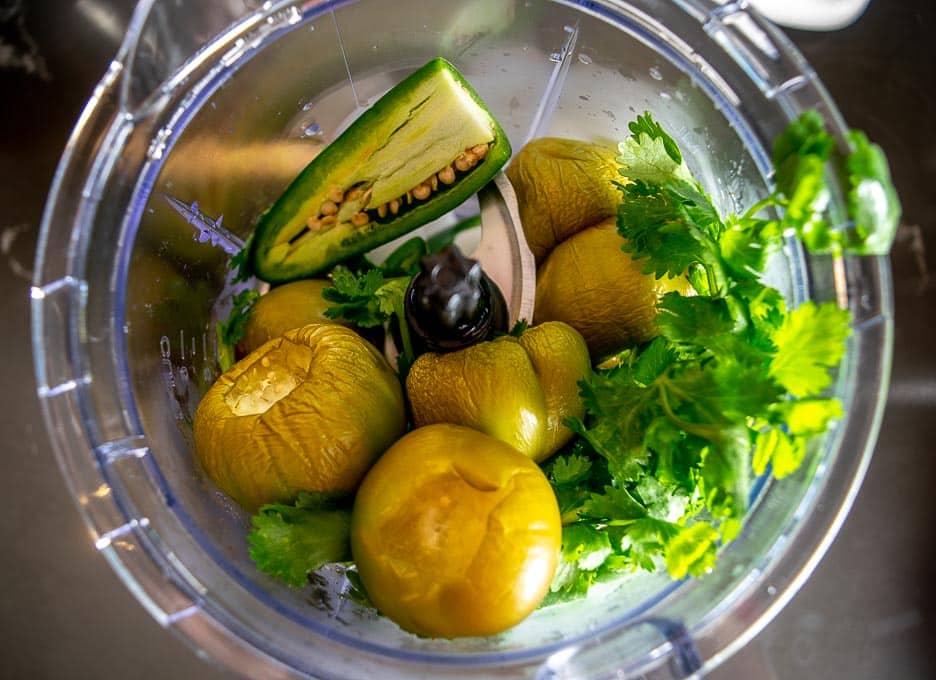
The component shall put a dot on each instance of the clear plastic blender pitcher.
(207, 113)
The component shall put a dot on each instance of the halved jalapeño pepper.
(420, 151)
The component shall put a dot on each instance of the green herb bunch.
(735, 383)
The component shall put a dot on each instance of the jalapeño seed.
(447, 175)
(335, 195)
(422, 192)
(480, 150)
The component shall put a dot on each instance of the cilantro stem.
(571, 516)
(409, 355)
(668, 385)
(710, 275)
(699, 430)
(760, 205)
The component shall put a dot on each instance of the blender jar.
(203, 118)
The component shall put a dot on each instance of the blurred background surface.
(867, 612)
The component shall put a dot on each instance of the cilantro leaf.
(698, 209)
(584, 549)
(692, 550)
(650, 154)
(389, 296)
(807, 200)
(646, 125)
(801, 155)
(873, 204)
(765, 305)
(746, 243)
(291, 541)
(810, 340)
(806, 416)
(674, 227)
(622, 410)
(368, 299)
(782, 451)
(688, 319)
(355, 297)
(613, 504)
(569, 470)
(231, 331)
(725, 478)
(675, 458)
(657, 222)
(653, 361)
(574, 475)
(796, 421)
(712, 395)
(645, 540)
(660, 500)
(804, 140)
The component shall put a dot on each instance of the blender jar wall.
(124, 295)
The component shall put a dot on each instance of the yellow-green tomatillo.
(284, 308)
(590, 283)
(563, 186)
(517, 390)
(310, 410)
(455, 534)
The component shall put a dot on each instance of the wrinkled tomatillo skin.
(455, 534)
(602, 292)
(563, 186)
(518, 390)
(308, 411)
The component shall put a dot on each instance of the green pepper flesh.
(412, 133)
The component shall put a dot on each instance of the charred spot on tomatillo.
(420, 151)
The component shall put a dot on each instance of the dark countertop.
(867, 612)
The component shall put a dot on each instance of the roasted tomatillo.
(284, 308)
(518, 390)
(455, 534)
(591, 284)
(308, 411)
(563, 186)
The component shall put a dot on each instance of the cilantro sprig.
(374, 295)
(801, 156)
(368, 299)
(733, 383)
(289, 542)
